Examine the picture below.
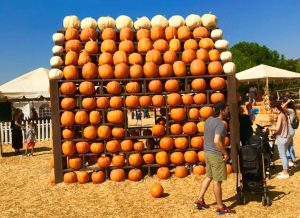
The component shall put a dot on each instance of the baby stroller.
(251, 163)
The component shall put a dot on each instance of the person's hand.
(226, 156)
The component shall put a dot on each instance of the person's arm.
(277, 126)
(286, 103)
(220, 146)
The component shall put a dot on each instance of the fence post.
(43, 128)
(46, 127)
(39, 130)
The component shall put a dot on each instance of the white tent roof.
(263, 72)
(30, 85)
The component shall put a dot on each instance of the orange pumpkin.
(176, 129)
(163, 173)
(71, 33)
(177, 158)
(127, 145)
(201, 126)
(81, 117)
(75, 163)
(190, 44)
(139, 146)
(135, 58)
(84, 58)
(105, 58)
(86, 88)
(188, 56)
(179, 68)
(162, 158)
(187, 99)
(132, 101)
(178, 114)
(150, 70)
(104, 132)
(214, 55)
(118, 160)
(126, 34)
(70, 72)
(206, 43)
(68, 134)
(148, 158)
(199, 170)
(90, 132)
(70, 177)
(144, 45)
(68, 148)
(102, 102)
(108, 33)
(165, 70)
(153, 56)
(189, 128)
(113, 87)
(119, 57)
(98, 177)
(106, 71)
(116, 102)
(158, 130)
(181, 143)
(166, 143)
(217, 83)
(104, 161)
(197, 67)
(172, 85)
(142, 33)
(181, 171)
(113, 146)
(200, 98)
(198, 84)
(170, 33)
(215, 68)
(115, 116)
(91, 47)
(157, 32)
(136, 71)
(155, 86)
(194, 114)
(68, 103)
(67, 118)
(88, 34)
(135, 160)
(217, 97)
(158, 100)
(73, 45)
(202, 54)
(190, 157)
(145, 101)
(97, 147)
(206, 112)
(109, 46)
(132, 87)
(89, 71)
(71, 58)
(135, 175)
(197, 142)
(170, 57)
(118, 132)
(82, 147)
(88, 103)
(184, 33)
(121, 71)
(229, 169)
(201, 156)
(174, 100)
(175, 45)
(156, 191)
(200, 32)
(161, 45)
(126, 46)
(117, 175)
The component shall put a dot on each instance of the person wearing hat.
(215, 157)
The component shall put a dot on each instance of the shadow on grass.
(37, 151)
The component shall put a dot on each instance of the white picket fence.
(43, 130)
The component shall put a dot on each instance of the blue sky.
(27, 26)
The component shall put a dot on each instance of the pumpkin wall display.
(102, 69)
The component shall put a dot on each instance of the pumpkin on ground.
(156, 190)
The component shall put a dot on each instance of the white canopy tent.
(32, 85)
(266, 73)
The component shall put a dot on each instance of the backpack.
(295, 122)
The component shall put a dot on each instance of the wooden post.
(234, 120)
(56, 131)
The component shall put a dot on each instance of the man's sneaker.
(282, 176)
(291, 164)
(200, 205)
(225, 210)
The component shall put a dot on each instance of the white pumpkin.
(160, 21)
(209, 21)
(123, 21)
(88, 22)
(176, 21)
(221, 44)
(229, 68)
(226, 56)
(193, 21)
(71, 21)
(56, 50)
(55, 74)
(142, 23)
(106, 22)
(56, 61)
(216, 34)
(58, 37)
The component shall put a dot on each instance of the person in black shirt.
(246, 130)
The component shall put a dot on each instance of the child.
(30, 139)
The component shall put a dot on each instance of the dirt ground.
(25, 192)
